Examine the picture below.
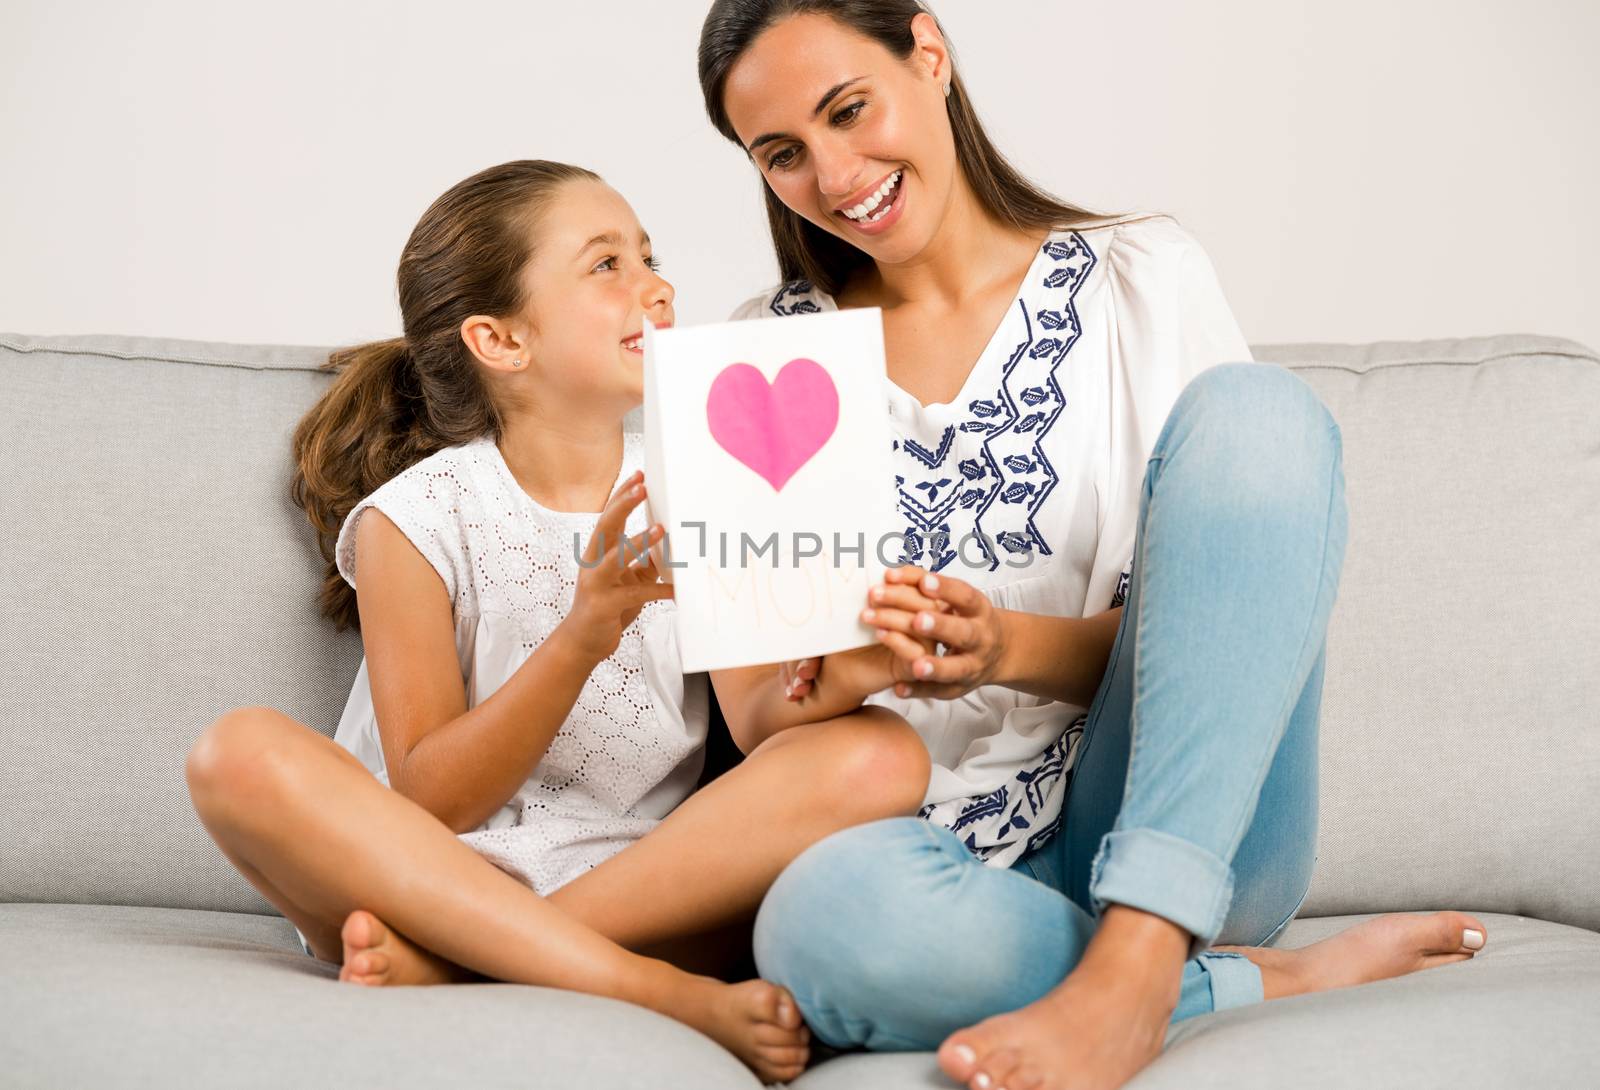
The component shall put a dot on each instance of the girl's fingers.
(808, 669)
(636, 549)
(613, 519)
(908, 574)
(652, 592)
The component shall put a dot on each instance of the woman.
(1148, 548)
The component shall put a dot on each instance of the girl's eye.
(653, 263)
(611, 261)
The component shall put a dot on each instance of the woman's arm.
(1059, 658)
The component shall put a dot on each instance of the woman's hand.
(913, 608)
(613, 584)
(866, 670)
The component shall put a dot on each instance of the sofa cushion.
(148, 997)
(1461, 709)
(157, 574)
(1521, 1013)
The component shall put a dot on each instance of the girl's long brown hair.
(807, 252)
(395, 402)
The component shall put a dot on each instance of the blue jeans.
(1194, 796)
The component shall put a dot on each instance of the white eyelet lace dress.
(632, 747)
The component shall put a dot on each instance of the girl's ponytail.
(365, 429)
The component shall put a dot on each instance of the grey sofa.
(156, 574)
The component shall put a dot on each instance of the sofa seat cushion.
(1521, 1013)
(113, 996)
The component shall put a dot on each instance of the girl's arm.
(756, 707)
(463, 764)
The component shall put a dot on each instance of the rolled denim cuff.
(1162, 874)
(1235, 980)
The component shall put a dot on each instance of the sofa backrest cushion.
(1460, 759)
(157, 574)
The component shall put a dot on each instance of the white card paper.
(767, 459)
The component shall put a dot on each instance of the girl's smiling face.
(590, 285)
(847, 135)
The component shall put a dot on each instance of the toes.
(369, 963)
(1457, 931)
(776, 1036)
(361, 929)
(958, 1056)
(1026, 1078)
(785, 1012)
(995, 1070)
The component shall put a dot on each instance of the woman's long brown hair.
(395, 402)
(807, 252)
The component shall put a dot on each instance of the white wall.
(1358, 170)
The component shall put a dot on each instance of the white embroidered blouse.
(632, 747)
(1027, 485)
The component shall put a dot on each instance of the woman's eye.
(781, 159)
(848, 114)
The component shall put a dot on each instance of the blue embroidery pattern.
(1029, 806)
(988, 501)
(995, 493)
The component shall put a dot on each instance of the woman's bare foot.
(755, 1020)
(1376, 949)
(376, 955)
(1096, 1030)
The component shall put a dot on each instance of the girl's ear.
(930, 52)
(496, 345)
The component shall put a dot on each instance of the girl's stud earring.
(516, 363)
(947, 90)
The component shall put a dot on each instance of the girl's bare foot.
(756, 1020)
(376, 955)
(1376, 949)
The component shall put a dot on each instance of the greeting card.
(767, 459)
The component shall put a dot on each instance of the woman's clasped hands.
(938, 637)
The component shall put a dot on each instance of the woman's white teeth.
(880, 197)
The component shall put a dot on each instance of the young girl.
(506, 795)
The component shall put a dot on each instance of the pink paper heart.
(773, 429)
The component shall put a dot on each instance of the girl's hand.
(799, 677)
(614, 583)
(914, 608)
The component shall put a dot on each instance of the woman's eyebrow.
(822, 104)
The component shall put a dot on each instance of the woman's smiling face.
(849, 136)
